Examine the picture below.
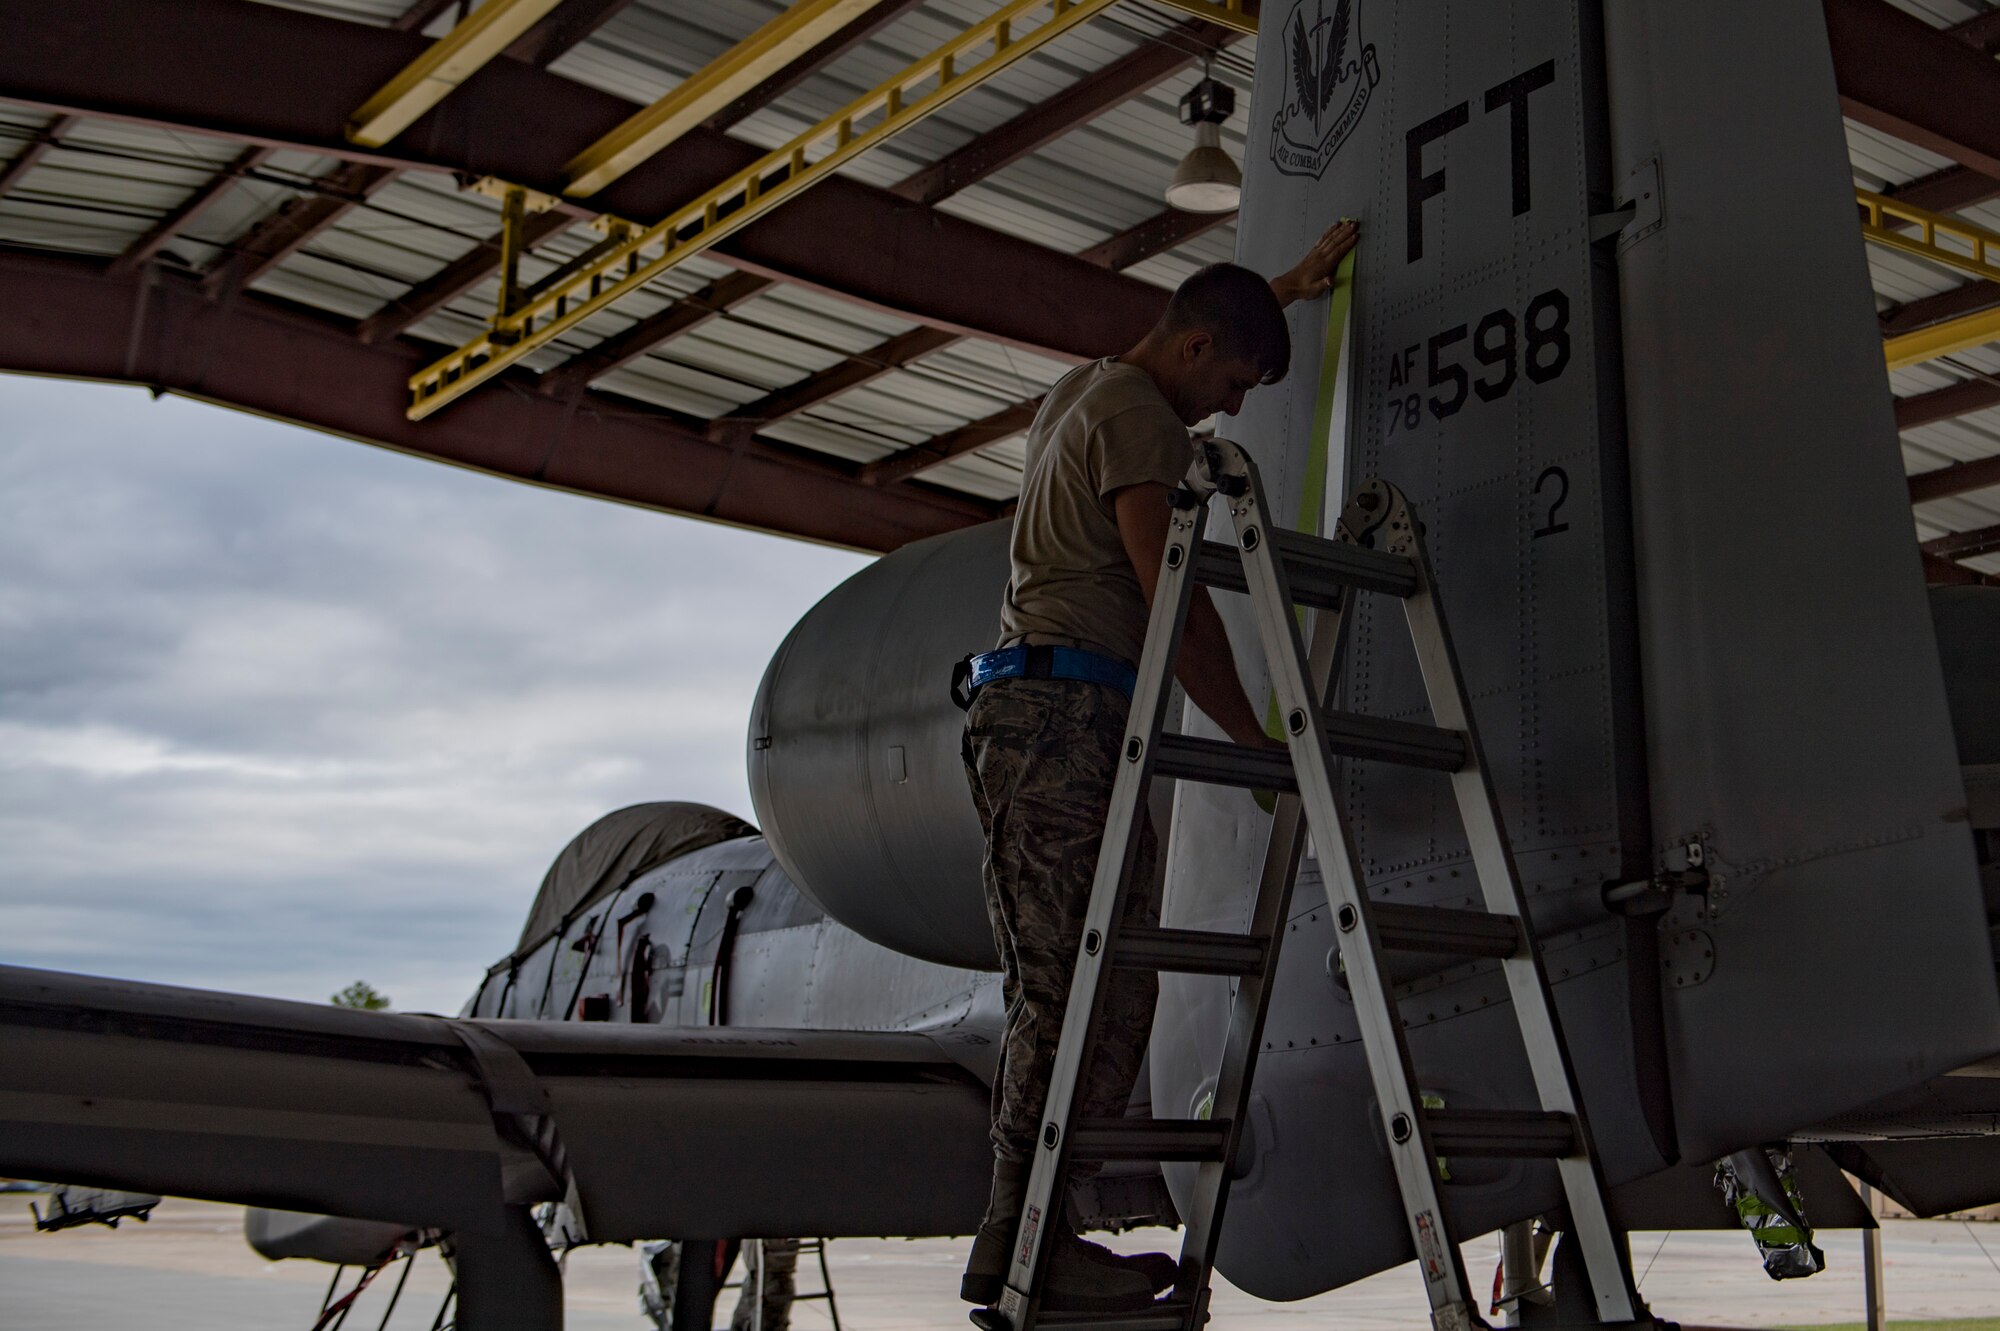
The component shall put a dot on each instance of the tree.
(363, 995)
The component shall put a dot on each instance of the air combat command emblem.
(1333, 74)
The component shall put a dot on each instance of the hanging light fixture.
(1206, 181)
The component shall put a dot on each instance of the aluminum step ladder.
(1378, 548)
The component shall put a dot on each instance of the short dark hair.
(1237, 308)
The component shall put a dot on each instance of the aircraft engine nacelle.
(854, 748)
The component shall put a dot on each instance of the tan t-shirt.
(1103, 427)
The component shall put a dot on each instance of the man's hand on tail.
(1313, 275)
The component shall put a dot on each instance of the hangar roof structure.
(196, 196)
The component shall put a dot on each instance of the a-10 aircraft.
(1629, 376)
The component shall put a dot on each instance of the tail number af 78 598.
(1534, 346)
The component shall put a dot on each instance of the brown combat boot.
(1077, 1282)
(1160, 1271)
(1081, 1277)
(986, 1267)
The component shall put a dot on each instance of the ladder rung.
(1220, 763)
(1159, 1317)
(1148, 1138)
(1531, 1134)
(1189, 952)
(1357, 736)
(1466, 933)
(1319, 570)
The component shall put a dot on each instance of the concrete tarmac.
(188, 1269)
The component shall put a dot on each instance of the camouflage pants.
(1041, 756)
(780, 1260)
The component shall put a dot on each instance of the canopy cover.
(617, 848)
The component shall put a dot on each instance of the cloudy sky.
(279, 711)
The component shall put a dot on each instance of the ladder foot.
(1166, 1315)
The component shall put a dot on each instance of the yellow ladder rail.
(932, 82)
(1951, 241)
(1941, 239)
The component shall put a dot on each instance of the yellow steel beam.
(1941, 239)
(724, 79)
(1237, 14)
(958, 66)
(452, 59)
(1951, 241)
(1942, 339)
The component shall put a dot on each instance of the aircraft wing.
(647, 1131)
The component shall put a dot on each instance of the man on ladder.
(1047, 712)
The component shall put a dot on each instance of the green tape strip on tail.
(1332, 372)
(1313, 499)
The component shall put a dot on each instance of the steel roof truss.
(924, 87)
(1947, 241)
(1240, 15)
(449, 61)
(736, 71)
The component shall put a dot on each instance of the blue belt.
(976, 672)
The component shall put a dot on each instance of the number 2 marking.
(1561, 477)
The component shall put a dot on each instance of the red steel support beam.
(268, 75)
(419, 15)
(830, 49)
(901, 466)
(1943, 404)
(272, 359)
(1086, 99)
(1091, 96)
(1938, 89)
(456, 278)
(36, 148)
(1957, 479)
(853, 372)
(567, 25)
(1135, 245)
(541, 45)
(1971, 298)
(1130, 247)
(284, 233)
(1156, 235)
(1899, 75)
(690, 311)
(1142, 242)
(1965, 544)
(1946, 191)
(192, 207)
(1944, 573)
(1981, 33)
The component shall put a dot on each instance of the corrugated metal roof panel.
(379, 13)
(1097, 179)
(1881, 160)
(991, 473)
(1940, 13)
